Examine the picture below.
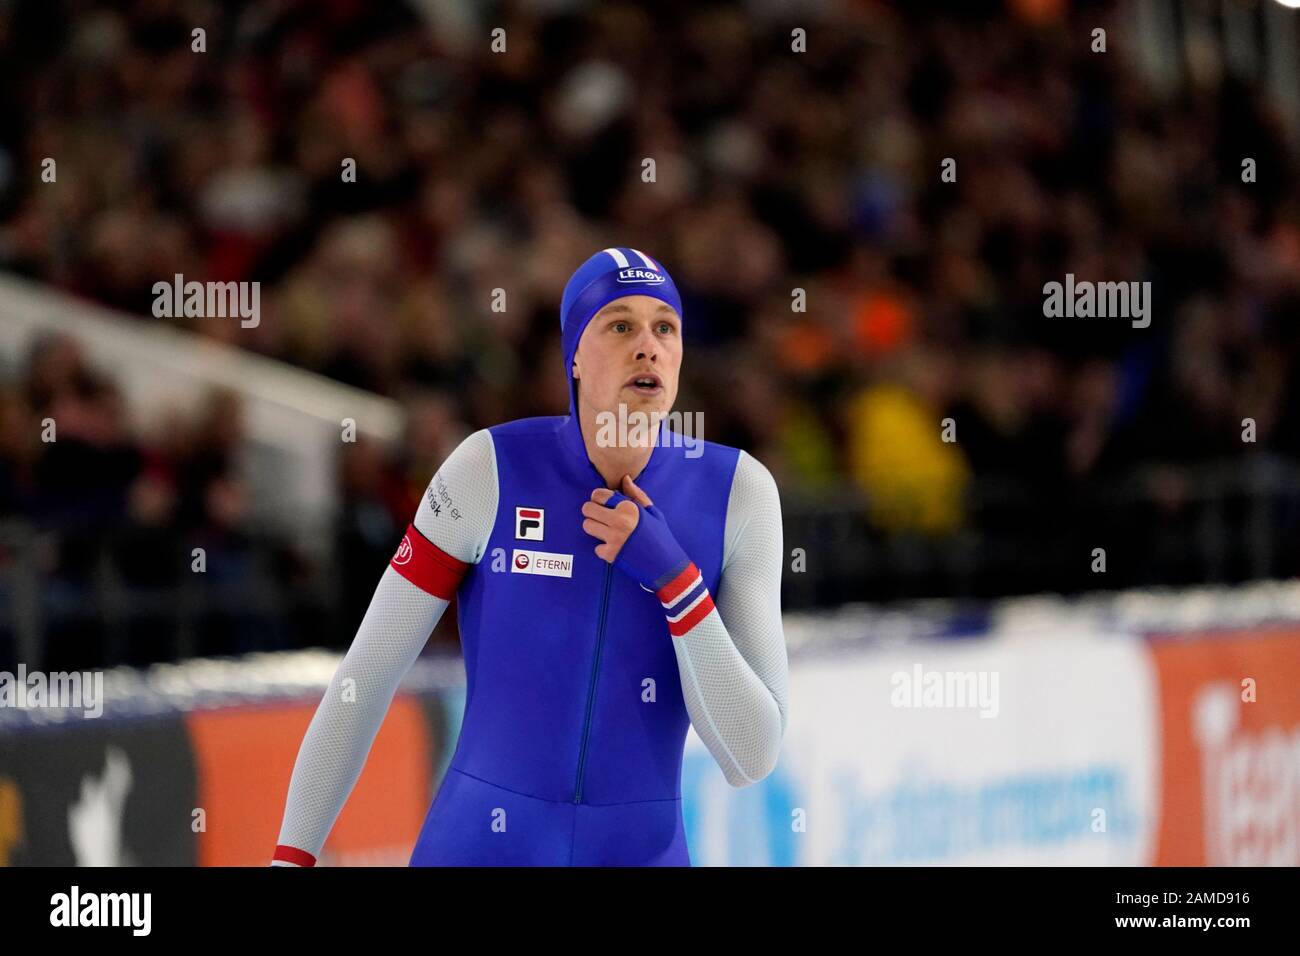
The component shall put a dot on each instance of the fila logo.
(529, 523)
(542, 562)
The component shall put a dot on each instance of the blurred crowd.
(841, 298)
(114, 513)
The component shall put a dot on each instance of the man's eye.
(620, 326)
(666, 326)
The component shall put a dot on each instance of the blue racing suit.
(557, 731)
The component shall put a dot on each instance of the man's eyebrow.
(619, 307)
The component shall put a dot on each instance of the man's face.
(634, 337)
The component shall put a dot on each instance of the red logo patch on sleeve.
(427, 566)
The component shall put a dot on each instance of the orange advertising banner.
(1230, 708)
(244, 759)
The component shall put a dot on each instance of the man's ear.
(574, 369)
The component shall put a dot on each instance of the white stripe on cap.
(650, 263)
(619, 258)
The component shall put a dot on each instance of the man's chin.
(635, 401)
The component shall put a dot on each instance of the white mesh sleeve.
(733, 663)
(457, 515)
(392, 633)
(459, 507)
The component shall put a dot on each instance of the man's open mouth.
(646, 383)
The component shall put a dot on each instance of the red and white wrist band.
(427, 566)
(685, 599)
(293, 855)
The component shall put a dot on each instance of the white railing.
(292, 417)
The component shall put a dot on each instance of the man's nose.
(647, 346)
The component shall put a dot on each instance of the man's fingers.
(610, 516)
(611, 525)
(631, 489)
(624, 518)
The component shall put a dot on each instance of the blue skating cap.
(608, 275)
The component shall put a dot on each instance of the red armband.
(291, 854)
(427, 566)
